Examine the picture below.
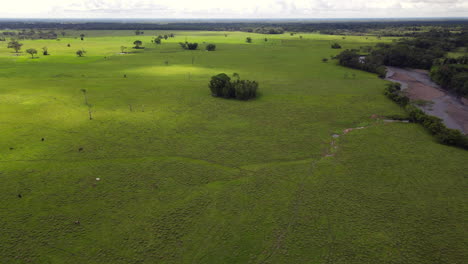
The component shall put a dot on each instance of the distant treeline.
(404, 27)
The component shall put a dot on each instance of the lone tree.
(137, 44)
(45, 51)
(80, 53)
(32, 52)
(324, 60)
(82, 36)
(14, 44)
(248, 40)
(211, 47)
(123, 49)
(157, 41)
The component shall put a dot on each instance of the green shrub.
(336, 46)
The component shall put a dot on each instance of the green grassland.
(189, 178)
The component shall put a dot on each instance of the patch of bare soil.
(417, 90)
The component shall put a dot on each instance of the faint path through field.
(418, 86)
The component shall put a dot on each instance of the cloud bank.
(233, 9)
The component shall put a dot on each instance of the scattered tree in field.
(336, 46)
(324, 60)
(68, 45)
(300, 37)
(225, 35)
(166, 37)
(82, 36)
(222, 86)
(63, 33)
(137, 32)
(80, 52)
(292, 34)
(211, 47)
(171, 35)
(248, 40)
(14, 44)
(31, 52)
(188, 45)
(123, 49)
(157, 41)
(138, 44)
(45, 51)
(266, 39)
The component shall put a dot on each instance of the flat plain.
(166, 173)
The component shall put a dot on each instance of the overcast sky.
(232, 9)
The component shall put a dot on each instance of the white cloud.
(232, 9)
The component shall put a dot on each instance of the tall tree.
(32, 52)
(14, 44)
(137, 44)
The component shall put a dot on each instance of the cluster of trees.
(352, 59)
(158, 39)
(188, 45)
(222, 86)
(433, 124)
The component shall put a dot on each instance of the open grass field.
(189, 178)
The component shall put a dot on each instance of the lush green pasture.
(188, 178)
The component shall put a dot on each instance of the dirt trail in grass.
(418, 86)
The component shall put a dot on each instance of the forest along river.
(417, 85)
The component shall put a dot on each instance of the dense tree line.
(325, 27)
(30, 34)
(221, 85)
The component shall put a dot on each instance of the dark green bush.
(189, 46)
(218, 84)
(211, 47)
(336, 46)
